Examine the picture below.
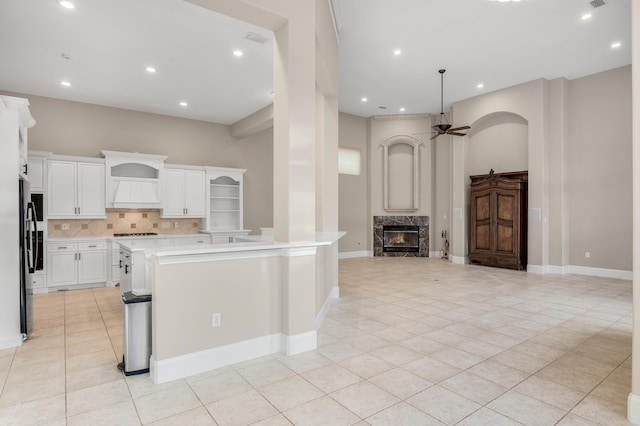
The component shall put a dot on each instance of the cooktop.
(136, 234)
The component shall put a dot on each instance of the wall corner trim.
(633, 409)
(354, 254)
(333, 295)
(299, 343)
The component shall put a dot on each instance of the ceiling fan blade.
(434, 136)
(456, 133)
(459, 128)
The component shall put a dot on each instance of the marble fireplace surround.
(423, 233)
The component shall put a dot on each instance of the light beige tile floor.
(410, 342)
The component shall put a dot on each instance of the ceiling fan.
(443, 127)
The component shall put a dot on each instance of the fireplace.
(401, 236)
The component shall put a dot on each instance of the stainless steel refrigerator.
(28, 256)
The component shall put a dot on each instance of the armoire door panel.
(504, 239)
(483, 207)
(483, 237)
(505, 204)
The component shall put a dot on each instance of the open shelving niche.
(225, 203)
(225, 213)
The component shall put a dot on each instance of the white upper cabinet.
(91, 181)
(184, 193)
(195, 193)
(36, 172)
(76, 190)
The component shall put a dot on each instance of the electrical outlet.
(65, 226)
(587, 254)
(176, 224)
(215, 320)
(165, 225)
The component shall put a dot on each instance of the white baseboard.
(601, 272)
(11, 342)
(333, 295)
(210, 359)
(633, 409)
(183, 366)
(299, 343)
(580, 270)
(460, 260)
(353, 254)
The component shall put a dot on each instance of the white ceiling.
(478, 41)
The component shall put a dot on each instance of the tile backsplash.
(120, 222)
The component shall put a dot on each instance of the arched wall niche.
(498, 141)
(401, 178)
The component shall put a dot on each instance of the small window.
(349, 161)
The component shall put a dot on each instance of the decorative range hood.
(133, 180)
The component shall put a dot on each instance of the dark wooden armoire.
(498, 227)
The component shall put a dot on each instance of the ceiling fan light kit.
(443, 127)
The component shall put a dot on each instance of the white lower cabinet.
(115, 263)
(80, 262)
(196, 239)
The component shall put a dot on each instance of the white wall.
(600, 170)
(9, 227)
(497, 142)
(382, 129)
(353, 190)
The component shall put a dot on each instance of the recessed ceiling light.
(615, 45)
(67, 4)
(65, 83)
(238, 53)
(401, 109)
(364, 99)
(480, 85)
(150, 70)
(183, 104)
(586, 16)
(397, 52)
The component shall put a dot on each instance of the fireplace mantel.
(379, 224)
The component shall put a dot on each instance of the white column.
(294, 131)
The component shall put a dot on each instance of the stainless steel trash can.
(137, 334)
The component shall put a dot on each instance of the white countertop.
(164, 245)
(246, 244)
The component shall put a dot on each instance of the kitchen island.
(218, 304)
